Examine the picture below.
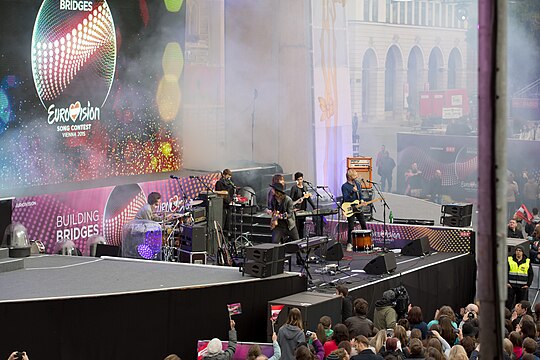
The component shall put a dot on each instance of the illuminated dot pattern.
(58, 56)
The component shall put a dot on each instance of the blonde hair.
(378, 341)
(351, 174)
(457, 352)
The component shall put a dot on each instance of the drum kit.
(170, 227)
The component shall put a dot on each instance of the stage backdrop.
(331, 92)
(78, 215)
(89, 90)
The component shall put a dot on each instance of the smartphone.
(389, 332)
(309, 333)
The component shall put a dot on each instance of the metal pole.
(491, 254)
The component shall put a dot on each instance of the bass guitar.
(351, 208)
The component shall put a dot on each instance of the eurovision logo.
(73, 58)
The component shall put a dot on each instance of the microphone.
(371, 182)
(174, 177)
(307, 182)
(322, 186)
(193, 177)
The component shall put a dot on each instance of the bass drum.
(248, 193)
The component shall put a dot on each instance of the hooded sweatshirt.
(289, 336)
(385, 316)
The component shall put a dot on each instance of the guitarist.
(225, 188)
(300, 196)
(352, 191)
(283, 218)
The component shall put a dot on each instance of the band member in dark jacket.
(352, 191)
(300, 194)
(283, 220)
(225, 188)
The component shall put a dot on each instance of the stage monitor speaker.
(418, 247)
(264, 270)
(456, 221)
(457, 209)
(312, 306)
(265, 253)
(107, 250)
(192, 237)
(334, 252)
(382, 264)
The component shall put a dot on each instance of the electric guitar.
(276, 215)
(223, 254)
(351, 208)
(298, 201)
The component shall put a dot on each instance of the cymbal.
(194, 202)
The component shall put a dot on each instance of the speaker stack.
(264, 260)
(382, 264)
(456, 215)
(418, 247)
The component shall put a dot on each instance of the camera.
(309, 333)
(19, 355)
(389, 332)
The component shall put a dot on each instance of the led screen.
(90, 92)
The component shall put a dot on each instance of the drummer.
(148, 211)
(225, 188)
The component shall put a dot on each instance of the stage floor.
(47, 277)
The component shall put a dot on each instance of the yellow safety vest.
(518, 274)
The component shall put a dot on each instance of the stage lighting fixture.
(16, 240)
(67, 247)
(92, 243)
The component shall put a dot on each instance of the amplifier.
(265, 253)
(192, 237)
(199, 214)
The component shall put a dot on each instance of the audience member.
(529, 346)
(378, 342)
(340, 334)
(385, 316)
(364, 351)
(317, 346)
(508, 347)
(338, 354)
(457, 352)
(324, 328)
(346, 302)
(416, 349)
(359, 324)
(401, 334)
(517, 343)
(346, 345)
(291, 334)
(393, 348)
(513, 231)
(469, 344)
(18, 355)
(172, 357)
(416, 320)
(255, 352)
(302, 353)
(215, 351)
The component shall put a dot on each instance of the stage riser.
(11, 264)
(143, 325)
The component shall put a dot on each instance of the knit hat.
(214, 346)
(521, 248)
(389, 295)
(332, 356)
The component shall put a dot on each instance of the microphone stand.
(385, 205)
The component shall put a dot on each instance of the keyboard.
(319, 212)
(302, 245)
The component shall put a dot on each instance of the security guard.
(520, 277)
